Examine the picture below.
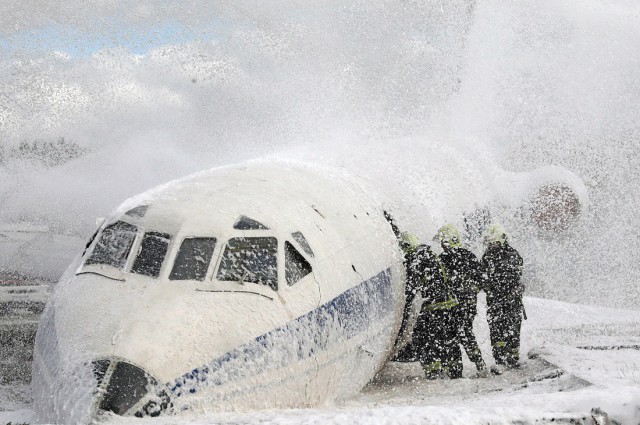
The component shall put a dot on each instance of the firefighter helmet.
(495, 233)
(408, 241)
(449, 236)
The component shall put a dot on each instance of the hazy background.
(439, 100)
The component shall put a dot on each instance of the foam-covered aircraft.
(245, 287)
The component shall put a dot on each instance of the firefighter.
(503, 266)
(463, 275)
(435, 334)
(408, 243)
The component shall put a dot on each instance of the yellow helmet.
(449, 235)
(408, 241)
(495, 233)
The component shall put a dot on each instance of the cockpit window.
(246, 223)
(193, 259)
(91, 239)
(250, 260)
(138, 211)
(299, 237)
(114, 245)
(295, 266)
(152, 252)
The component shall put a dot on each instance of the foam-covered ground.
(589, 358)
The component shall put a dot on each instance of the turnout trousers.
(436, 341)
(504, 330)
(467, 337)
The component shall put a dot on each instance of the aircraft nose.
(127, 390)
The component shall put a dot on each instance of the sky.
(79, 43)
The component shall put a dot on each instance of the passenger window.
(295, 266)
(299, 237)
(114, 245)
(193, 259)
(250, 260)
(152, 252)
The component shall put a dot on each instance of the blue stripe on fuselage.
(349, 314)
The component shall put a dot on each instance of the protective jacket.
(411, 264)
(463, 273)
(427, 273)
(503, 286)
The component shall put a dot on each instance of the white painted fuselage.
(268, 285)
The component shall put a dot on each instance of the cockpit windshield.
(193, 259)
(114, 245)
(252, 260)
(152, 252)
